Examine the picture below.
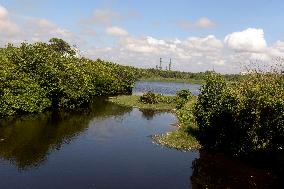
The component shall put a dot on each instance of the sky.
(225, 35)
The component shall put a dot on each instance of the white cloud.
(201, 23)
(7, 27)
(204, 23)
(250, 39)
(104, 17)
(3, 12)
(116, 31)
(28, 29)
(190, 54)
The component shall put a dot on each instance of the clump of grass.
(185, 137)
(178, 139)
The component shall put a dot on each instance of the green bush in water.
(243, 118)
(149, 98)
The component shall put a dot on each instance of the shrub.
(242, 118)
(182, 97)
(149, 98)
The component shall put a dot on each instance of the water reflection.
(150, 114)
(218, 171)
(26, 141)
(107, 143)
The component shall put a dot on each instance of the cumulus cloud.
(7, 27)
(193, 54)
(116, 31)
(29, 29)
(201, 23)
(250, 39)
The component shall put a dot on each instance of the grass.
(184, 137)
(133, 101)
(178, 139)
(175, 80)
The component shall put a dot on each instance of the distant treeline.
(166, 74)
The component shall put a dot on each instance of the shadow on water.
(149, 114)
(27, 140)
(219, 171)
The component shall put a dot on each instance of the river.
(106, 146)
(165, 88)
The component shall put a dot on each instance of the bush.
(242, 118)
(149, 98)
(182, 97)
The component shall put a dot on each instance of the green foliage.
(184, 138)
(242, 118)
(183, 96)
(149, 98)
(60, 46)
(34, 77)
(152, 98)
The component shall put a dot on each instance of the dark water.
(166, 88)
(107, 146)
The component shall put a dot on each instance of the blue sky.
(117, 24)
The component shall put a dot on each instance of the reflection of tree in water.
(218, 171)
(149, 114)
(26, 141)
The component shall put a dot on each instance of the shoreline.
(178, 139)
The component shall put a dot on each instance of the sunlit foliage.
(34, 77)
(242, 118)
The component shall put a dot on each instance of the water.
(108, 146)
(165, 88)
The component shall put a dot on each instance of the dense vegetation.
(242, 118)
(35, 77)
(152, 98)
